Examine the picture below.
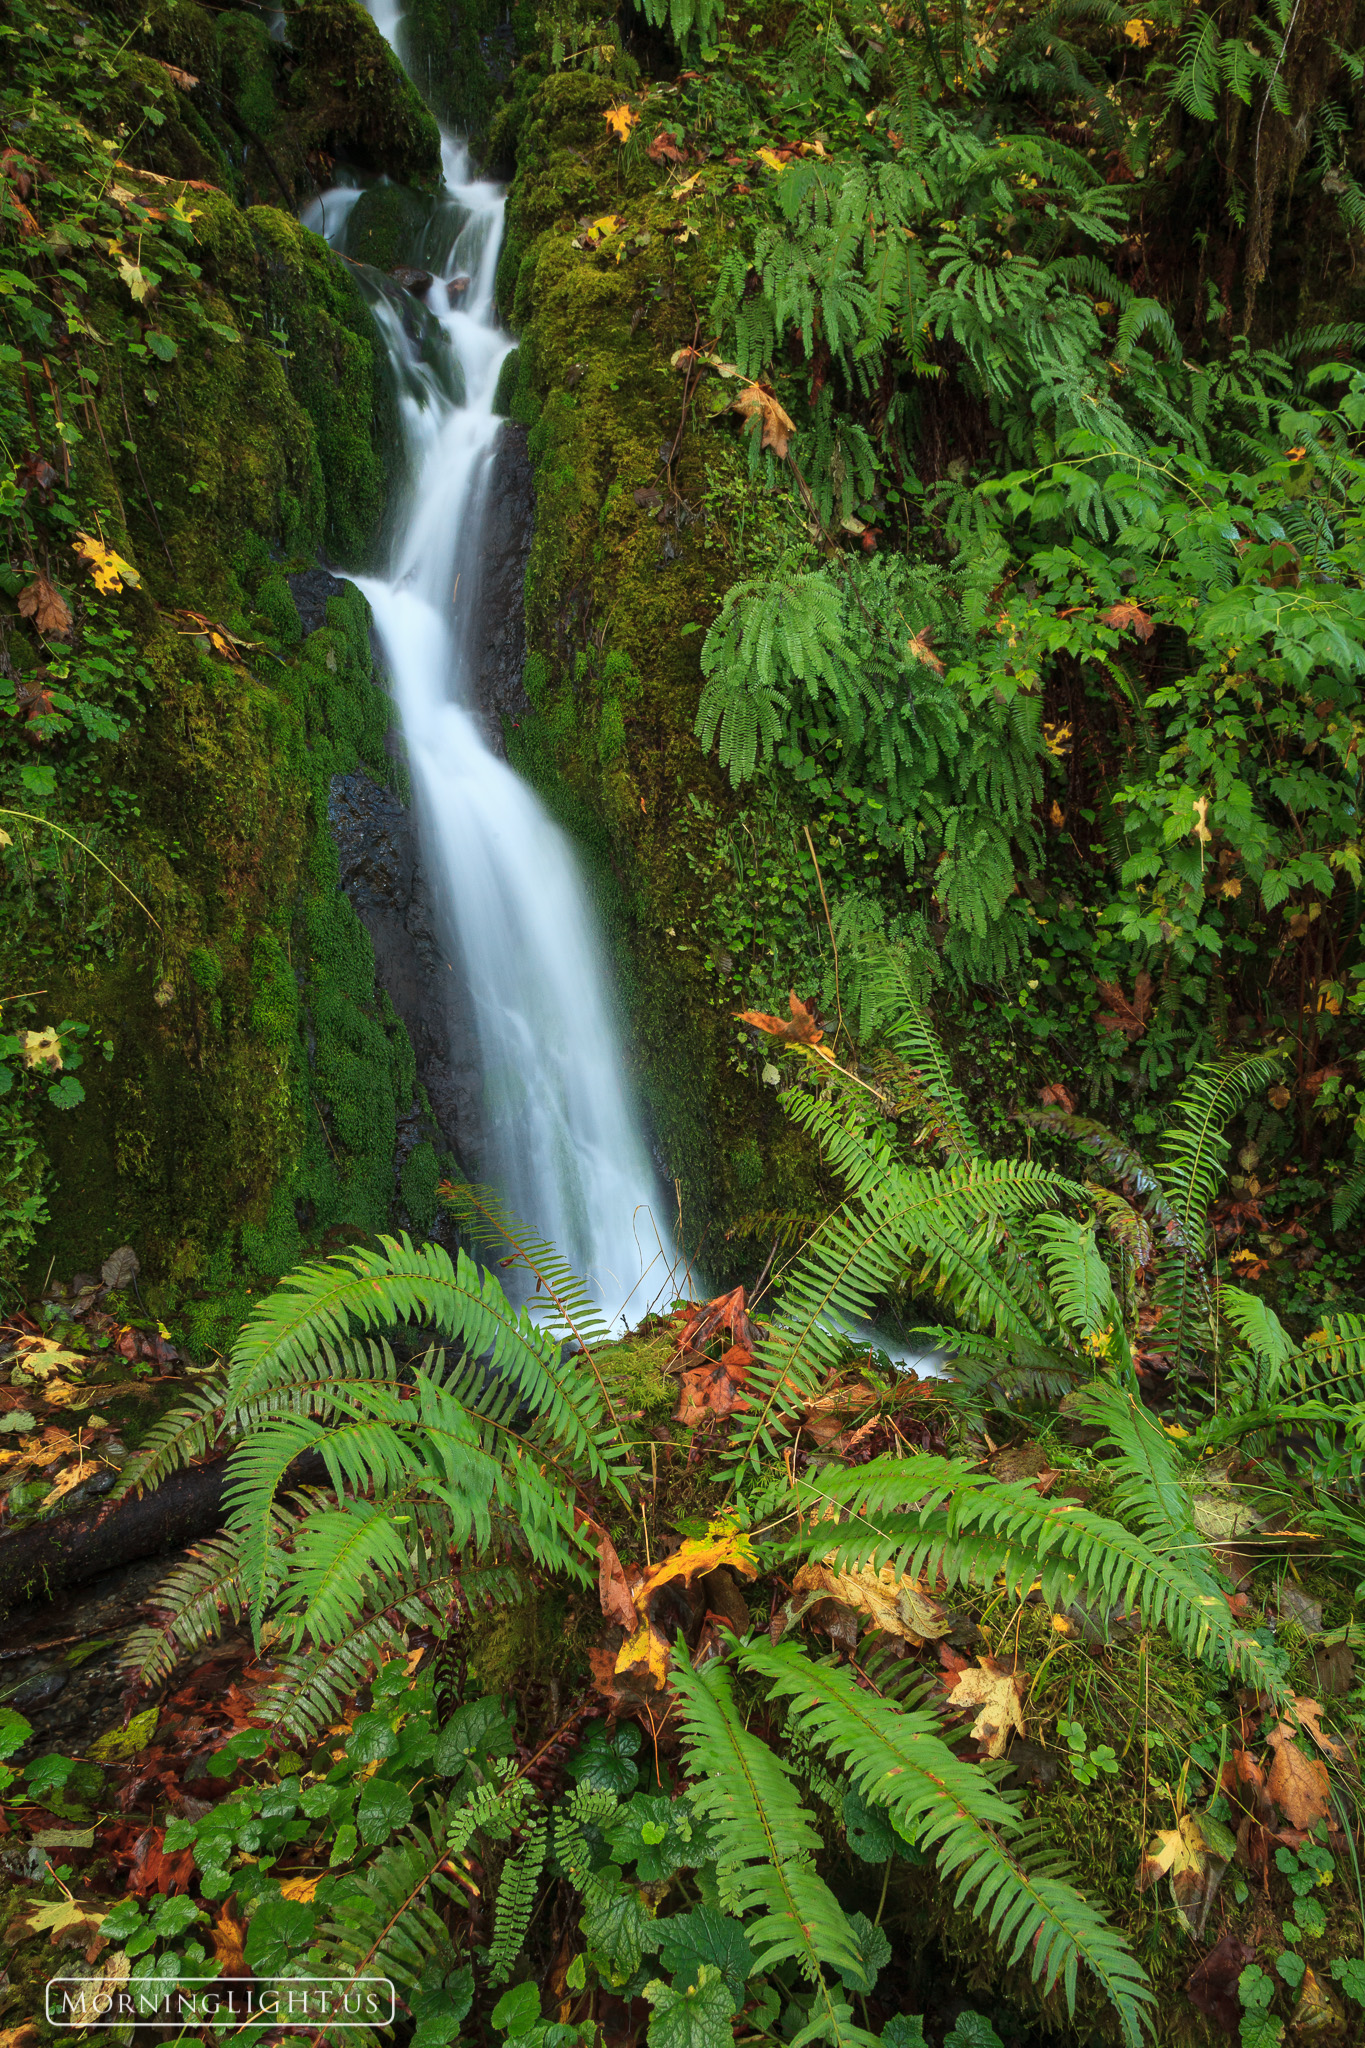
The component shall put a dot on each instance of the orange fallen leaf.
(722, 1544)
(759, 401)
(42, 602)
(715, 1388)
(303, 1889)
(800, 1029)
(919, 649)
(1298, 1784)
(620, 120)
(228, 1935)
(1123, 616)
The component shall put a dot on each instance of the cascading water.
(562, 1143)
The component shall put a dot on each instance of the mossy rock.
(248, 61)
(386, 225)
(351, 97)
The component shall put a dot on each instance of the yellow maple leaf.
(620, 120)
(300, 1888)
(1138, 33)
(722, 1544)
(681, 191)
(109, 570)
(608, 224)
(996, 1692)
(771, 159)
(646, 1654)
(74, 1475)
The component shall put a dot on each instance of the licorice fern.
(899, 1760)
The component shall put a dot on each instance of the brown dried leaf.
(1212, 1989)
(1057, 1095)
(759, 401)
(1298, 1784)
(899, 1606)
(800, 1029)
(1123, 616)
(1122, 1015)
(228, 1935)
(42, 602)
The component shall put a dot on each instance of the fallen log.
(44, 1558)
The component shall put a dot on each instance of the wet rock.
(310, 590)
(42, 1685)
(410, 278)
(456, 287)
(505, 548)
(377, 848)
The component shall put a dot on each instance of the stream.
(562, 1142)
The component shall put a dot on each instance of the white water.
(562, 1143)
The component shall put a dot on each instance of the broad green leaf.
(700, 2017)
(383, 1809)
(705, 1936)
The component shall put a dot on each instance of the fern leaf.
(767, 1844)
(899, 1760)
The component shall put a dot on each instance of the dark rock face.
(381, 872)
(504, 548)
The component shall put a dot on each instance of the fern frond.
(899, 1760)
(199, 1595)
(934, 1513)
(185, 1433)
(1152, 1493)
(767, 1844)
(517, 1898)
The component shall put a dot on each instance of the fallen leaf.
(723, 1544)
(759, 401)
(620, 120)
(1058, 1096)
(185, 80)
(664, 150)
(613, 1587)
(1212, 1989)
(919, 649)
(74, 1475)
(1222, 1517)
(1298, 1784)
(1122, 1015)
(1123, 616)
(66, 1922)
(228, 1935)
(716, 1388)
(771, 159)
(301, 1888)
(643, 1657)
(134, 276)
(1309, 1718)
(109, 570)
(827, 1418)
(42, 602)
(800, 1029)
(997, 1691)
(1194, 1854)
(1319, 2015)
(896, 1604)
(724, 1312)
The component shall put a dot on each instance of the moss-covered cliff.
(214, 412)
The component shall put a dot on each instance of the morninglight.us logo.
(74, 2003)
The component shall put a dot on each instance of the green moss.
(420, 1174)
(611, 677)
(247, 59)
(385, 226)
(350, 96)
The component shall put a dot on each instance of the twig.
(688, 388)
(829, 922)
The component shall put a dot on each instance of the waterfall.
(562, 1143)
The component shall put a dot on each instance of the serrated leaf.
(699, 2017)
